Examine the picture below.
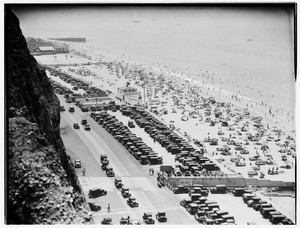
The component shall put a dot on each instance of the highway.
(89, 145)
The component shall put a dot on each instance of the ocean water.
(245, 51)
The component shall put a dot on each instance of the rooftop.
(47, 48)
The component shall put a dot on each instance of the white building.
(130, 95)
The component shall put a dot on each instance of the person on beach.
(83, 171)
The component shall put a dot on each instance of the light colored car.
(77, 163)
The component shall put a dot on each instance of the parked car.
(208, 221)
(180, 189)
(125, 192)
(185, 202)
(96, 192)
(118, 182)
(200, 216)
(275, 219)
(106, 221)
(147, 217)
(71, 109)
(192, 208)
(104, 159)
(221, 189)
(131, 124)
(132, 202)
(125, 221)
(109, 171)
(87, 127)
(76, 126)
(94, 207)
(77, 163)
(161, 216)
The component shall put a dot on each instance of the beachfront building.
(48, 50)
(32, 44)
(93, 102)
(129, 95)
(39, 46)
(61, 48)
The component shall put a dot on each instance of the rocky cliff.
(42, 187)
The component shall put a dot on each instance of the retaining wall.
(228, 181)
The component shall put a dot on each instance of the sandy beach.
(180, 96)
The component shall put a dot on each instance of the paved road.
(88, 145)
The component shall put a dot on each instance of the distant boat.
(249, 39)
(136, 21)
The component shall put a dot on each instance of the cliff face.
(42, 184)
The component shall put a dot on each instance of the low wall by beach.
(228, 181)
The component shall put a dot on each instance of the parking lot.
(88, 145)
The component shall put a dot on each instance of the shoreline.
(286, 121)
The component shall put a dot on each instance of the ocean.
(246, 51)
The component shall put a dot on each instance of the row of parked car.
(193, 161)
(131, 201)
(205, 211)
(91, 91)
(105, 166)
(147, 219)
(266, 209)
(136, 147)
